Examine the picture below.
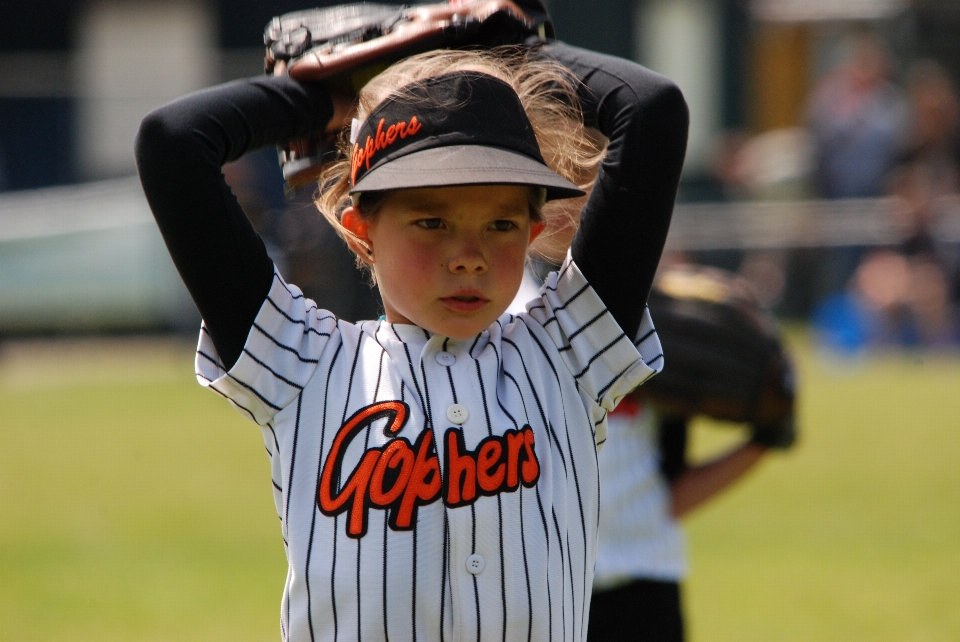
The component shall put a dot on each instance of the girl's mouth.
(464, 302)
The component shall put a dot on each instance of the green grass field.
(136, 506)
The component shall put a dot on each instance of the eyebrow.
(427, 206)
(435, 208)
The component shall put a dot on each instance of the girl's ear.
(359, 237)
(535, 229)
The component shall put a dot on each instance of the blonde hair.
(547, 92)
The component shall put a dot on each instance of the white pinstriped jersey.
(639, 538)
(432, 489)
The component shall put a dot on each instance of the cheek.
(414, 257)
(512, 270)
(512, 255)
(509, 266)
(407, 266)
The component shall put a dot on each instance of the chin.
(465, 329)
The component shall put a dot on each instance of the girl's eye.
(503, 225)
(430, 223)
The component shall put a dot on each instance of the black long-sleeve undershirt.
(180, 150)
(624, 224)
(182, 146)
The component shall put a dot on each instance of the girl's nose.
(469, 259)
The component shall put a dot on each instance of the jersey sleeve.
(604, 361)
(287, 341)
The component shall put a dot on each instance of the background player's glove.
(722, 354)
(347, 45)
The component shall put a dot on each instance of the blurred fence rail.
(89, 256)
(87, 207)
(812, 223)
(113, 204)
(86, 257)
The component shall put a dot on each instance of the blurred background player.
(647, 486)
(646, 482)
(727, 362)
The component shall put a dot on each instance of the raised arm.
(625, 221)
(180, 149)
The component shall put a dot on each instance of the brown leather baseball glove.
(347, 45)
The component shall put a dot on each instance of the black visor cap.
(460, 128)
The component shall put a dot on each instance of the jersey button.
(457, 414)
(475, 564)
(446, 358)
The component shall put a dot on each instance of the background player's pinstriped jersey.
(408, 466)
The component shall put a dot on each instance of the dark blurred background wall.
(65, 65)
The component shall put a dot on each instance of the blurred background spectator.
(905, 295)
(857, 118)
(934, 136)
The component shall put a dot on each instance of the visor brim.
(465, 165)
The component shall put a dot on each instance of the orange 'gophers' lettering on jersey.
(500, 463)
(399, 477)
(383, 138)
(389, 471)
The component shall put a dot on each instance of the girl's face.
(448, 259)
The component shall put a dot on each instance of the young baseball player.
(434, 471)
(647, 488)
(647, 483)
